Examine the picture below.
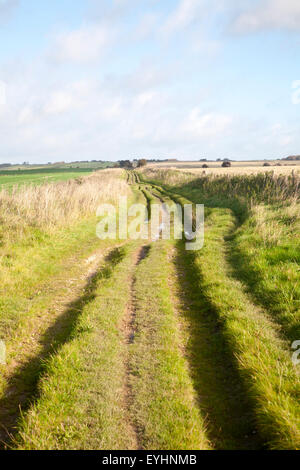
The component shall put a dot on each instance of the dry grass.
(54, 205)
(273, 224)
(267, 227)
(238, 168)
(251, 170)
(246, 189)
(168, 176)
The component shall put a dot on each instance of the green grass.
(88, 165)
(11, 178)
(265, 253)
(126, 396)
(164, 403)
(263, 359)
(40, 273)
(222, 395)
(264, 243)
(174, 350)
(227, 299)
(81, 404)
(34, 261)
(38, 281)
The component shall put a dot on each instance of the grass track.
(81, 403)
(163, 352)
(262, 358)
(222, 396)
(42, 323)
(41, 283)
(164, 402)
(106, 406)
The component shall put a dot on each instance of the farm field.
(10, 178)
(141, 344)
(237, 168)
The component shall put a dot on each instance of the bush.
(142, 163)
(226, 164)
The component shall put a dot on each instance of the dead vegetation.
(55, 205)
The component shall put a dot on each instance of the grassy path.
(43, 285)
(218, 389)
(120, 380)
(156, 348)
(47, 325)
(83, 398)
(128, 327)
(221, 393)
(269, 384)
(164, 402)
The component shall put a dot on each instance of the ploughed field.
(142, 344)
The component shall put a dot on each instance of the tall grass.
(250, 189)
(55, 205)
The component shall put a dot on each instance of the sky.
(124, 79)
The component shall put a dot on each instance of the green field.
(9, 178)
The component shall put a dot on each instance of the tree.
(126, 164)
(142, 163)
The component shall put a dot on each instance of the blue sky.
(113, 79)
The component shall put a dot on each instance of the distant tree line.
(128, 165)
(292, 158)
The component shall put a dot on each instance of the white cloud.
(146, 98)
(186, 13)
(143, 100)
(269, 14)
(25, 115)
(3, 87)
(73, 96)
(146, 27)
(206, 46)
(86, 44)
(59, 102)
(279, 134)
(206, 125)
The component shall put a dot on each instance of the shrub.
(142, 163)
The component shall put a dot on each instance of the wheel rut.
(129, 332)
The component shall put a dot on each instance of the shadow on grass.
(22, 390)
(240, 262)
(223, 397)
(267, 297)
